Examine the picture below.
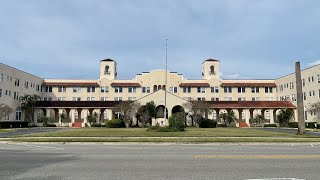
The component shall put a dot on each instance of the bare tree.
(5, 110)
(198, 109)
(315, 108)
(127, 110)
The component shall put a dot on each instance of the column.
(271, 116)
(217, 115)
(240, 114)
(274, 114)
(251, 115)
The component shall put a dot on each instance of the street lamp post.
(166, 81)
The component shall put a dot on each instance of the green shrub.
(208, 123)
(115, 123)
(312, 125)
(177, 123)
(13, 124)
(96, 125)
(221, 125)
(49, 125)
(270, 125)
(161, 129)
(292, 125)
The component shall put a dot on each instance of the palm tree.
(228, 117)
(258, 118)
(285, 116)
(28, 103)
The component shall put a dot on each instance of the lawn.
(141, 132)
(5, 130)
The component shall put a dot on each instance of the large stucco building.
(77, 98)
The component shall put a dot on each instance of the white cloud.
(314, 63)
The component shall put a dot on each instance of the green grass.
(5, 130)
(169, 140)
(141, 132)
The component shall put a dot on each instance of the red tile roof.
(199, 84)
(251, 104)
(74, 84)
(124, 84)
(239, 84)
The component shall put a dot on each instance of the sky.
(253, 39)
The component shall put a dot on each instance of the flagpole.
(166, 81)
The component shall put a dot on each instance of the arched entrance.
(160, 111)
(179, 111)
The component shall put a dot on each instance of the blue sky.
(67, 38)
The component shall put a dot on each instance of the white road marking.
(277, 179)
(29, 146)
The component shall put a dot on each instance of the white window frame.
(104, 89)
(118, 89)
(201, 89)
(186, 89)
(227, 89)
(255, 89)
(132, 89)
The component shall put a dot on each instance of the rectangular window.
(61, 98)
(214, 89)
(131, 98)
(145, 89)
(61, 89)
(26, 84)
(76, 89)
(132, 89)
(91, 89)
(47, 89)
(76, 99)
(104, 89)
(241, 89)
(241, 99)
(90, 98)
(227, 89)
(269, 98)
(1, 77)
(303, 82)
(318, 78)
(118, 98)
(268, 89)
(9, 93)
(214, 99)
(1, 92)
(104, 98)
(293, 97)
(118, 89)
(255, 89)
(255, 99)
(304, 96)
(45, 99)
(186, 89)
(228, 98)
(201, 99)
(201, 90)
(173, 90)
(312, 79)
(38, 88)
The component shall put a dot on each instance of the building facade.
(77, 98)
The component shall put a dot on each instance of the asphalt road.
(25, 131)
(159, 161)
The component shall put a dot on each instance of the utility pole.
(301, 122)
(166, 82)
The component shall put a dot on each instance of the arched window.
(212, 70)
(18, 113)
(159, 87)
(106, 70)
(164, 87)
(155, 88)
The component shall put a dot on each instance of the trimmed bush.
(312, 125)
(292, 125)
(49, 125)
(222, 125)
(115, 123)
(270, 125)
(208, 123)
(176, 122)
(96, 125)
(13, 124)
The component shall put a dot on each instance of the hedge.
(208, 123)
(222, 125)
(115, 123)
(13, 124)
(270, 125)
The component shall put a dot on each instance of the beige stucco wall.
(10, 75)
(312, 86)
